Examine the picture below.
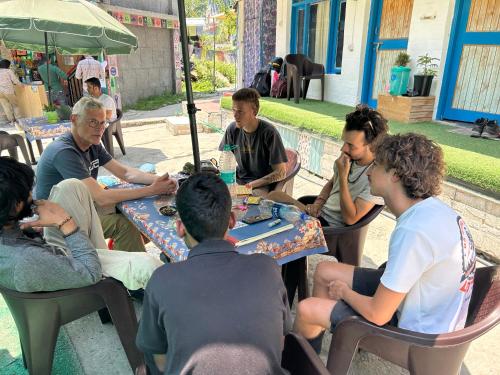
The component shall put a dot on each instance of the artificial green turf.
(472, 160)
(11, 361)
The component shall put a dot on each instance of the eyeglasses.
(97, 124)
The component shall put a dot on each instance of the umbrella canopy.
(72, 27)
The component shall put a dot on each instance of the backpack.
(276, 64)
(262, 82)
(279, 88)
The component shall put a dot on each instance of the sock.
(317, 342)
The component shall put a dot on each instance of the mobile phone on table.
(256, 218)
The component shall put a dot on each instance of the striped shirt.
(88, 68)
(7, 81)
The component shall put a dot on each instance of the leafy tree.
(228, 26)
(198, 8)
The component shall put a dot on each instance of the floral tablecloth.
(37, 128)
(304, 239)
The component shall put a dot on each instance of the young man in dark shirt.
(259, 151)
(218, 312)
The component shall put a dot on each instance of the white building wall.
(430, 33)
(344, 88)
(283, 27)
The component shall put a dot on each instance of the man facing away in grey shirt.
(27, 263)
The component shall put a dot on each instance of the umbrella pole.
(191, 108)
(48, 66)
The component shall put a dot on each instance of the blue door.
(387, 36)
(471, 82)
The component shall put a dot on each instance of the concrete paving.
(98, 346)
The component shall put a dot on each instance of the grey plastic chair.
(10, 142)
(38, 317)
(114, 129)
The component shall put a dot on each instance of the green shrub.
(204, 71)
(227, 70)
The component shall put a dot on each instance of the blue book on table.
(254, 232)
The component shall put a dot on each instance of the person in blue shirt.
(58, 79)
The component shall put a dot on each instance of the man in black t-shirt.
(79, 154)
(218, 312)
(259, 150)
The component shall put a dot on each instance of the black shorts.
(365, 281)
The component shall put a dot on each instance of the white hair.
(85, 104)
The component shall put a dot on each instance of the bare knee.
(330, 271)
(325, 272)
(305, 310)
(314, 311)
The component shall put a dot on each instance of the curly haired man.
(428, 279)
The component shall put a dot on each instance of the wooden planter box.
(405, 108)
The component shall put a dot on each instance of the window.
(338, 38)
(318, 31)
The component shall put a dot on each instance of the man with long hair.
(78, 258)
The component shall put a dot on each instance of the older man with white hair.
(79, 154)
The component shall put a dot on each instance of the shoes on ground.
(478, 128)
(491, 130)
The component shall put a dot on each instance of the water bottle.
(227, 168)
(282, 211)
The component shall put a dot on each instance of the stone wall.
(150, 69)
(481, 213)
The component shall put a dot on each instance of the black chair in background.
(299, 71)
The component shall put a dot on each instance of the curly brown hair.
(367, 120)
(248, 95)
(418, 162)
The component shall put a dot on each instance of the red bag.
(279, 88)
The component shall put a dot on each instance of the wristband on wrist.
(72, 232)
(64, 222)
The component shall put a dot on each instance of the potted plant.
(422, 82)
(50, 111)
(400, 75)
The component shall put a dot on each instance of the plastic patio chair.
(292, 168)
(9, 142)
(299, 357)
(345, 243)
(417, 352)
(38, 317)
(114, 129)
(299, 71)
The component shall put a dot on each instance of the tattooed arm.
(278, 174)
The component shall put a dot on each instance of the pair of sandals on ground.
(484, 128)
